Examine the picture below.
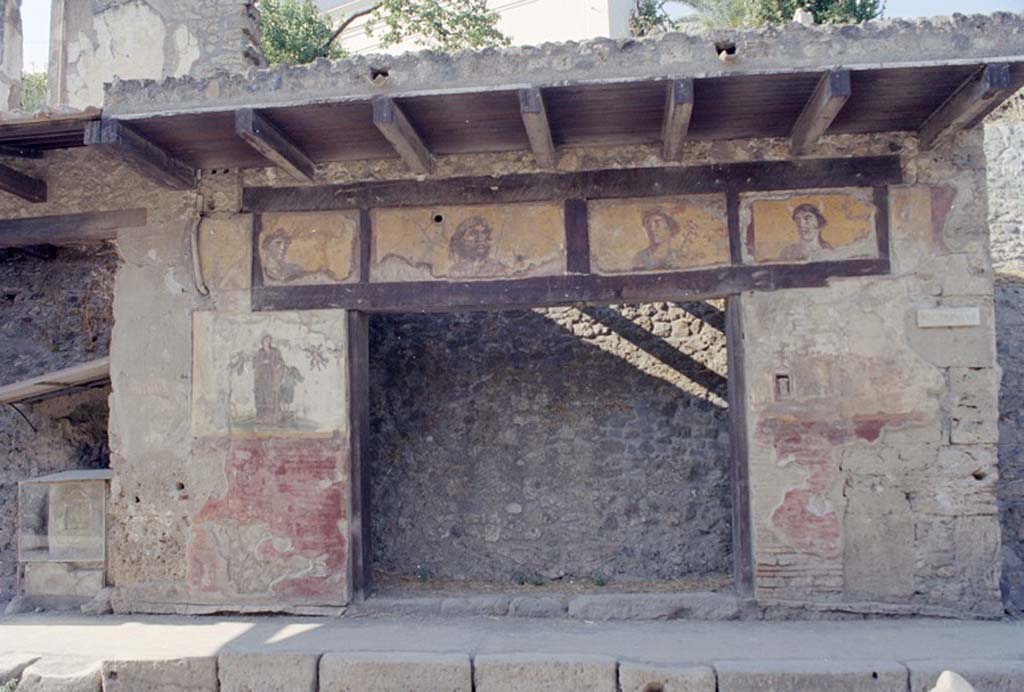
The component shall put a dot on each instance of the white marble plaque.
(931, 318)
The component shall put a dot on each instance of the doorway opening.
(556, 449)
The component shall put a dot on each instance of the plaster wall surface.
(10, 54)
(552, 444)
(94, 42)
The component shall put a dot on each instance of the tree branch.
(345, 24)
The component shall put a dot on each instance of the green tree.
(824, 11)
(649, 17)
(733, 14)
(33, 92)
(295, 32)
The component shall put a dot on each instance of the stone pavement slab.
(544, 673)
(395, 672)
(818, 675)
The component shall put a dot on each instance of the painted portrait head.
(274, 254)
(472, 240)
(810, 222)
(660, 227)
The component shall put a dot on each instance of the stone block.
(475, 605)
(817, 675)
(62, 579)
(267, 672)
(645, 677)
(61, 675)
(538, 606)
(984, 676)
(974, 405)
(12, 665)
(395, 672)
(654, 606)
(544, 673)
(172, 675)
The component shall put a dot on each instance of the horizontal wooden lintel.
(603, 184)
(438, 296)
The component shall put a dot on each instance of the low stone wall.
(551, 444)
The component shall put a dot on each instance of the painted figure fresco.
(810, 223)
(465, 243)
(309, 247)
(809, 226)
(274, 383)
(470, 248)
(663, 234)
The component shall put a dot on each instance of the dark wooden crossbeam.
(535, 119)
(676, 124)
(971, 102)
(20, 152)
(604, 184)
(828, 99)
(147, 158)
(69, 229)
(21, 185)
(265, 138)
(397, 129)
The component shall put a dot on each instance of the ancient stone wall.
(551, 444)
(873, 473)
(92, 42)
(1004, 149)
(10, 54)
(55, 311)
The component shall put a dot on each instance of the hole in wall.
(725, 47)
(438, 218)
(979, 475)
(379, 75)
(179, 486)
(654, 687)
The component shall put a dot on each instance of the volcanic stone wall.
(55, 311)
(551, 444)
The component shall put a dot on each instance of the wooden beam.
(21, 185)
(535, 119)
(566, 289)
(828, 99)
(262, 136)
(742, 545)
(753, 176)
(397, 129)
(577, 237)
(973, 100)
(358, 360)
(676, 124)
(147, 158)
(69, 229)
(20, 152)
(82, 376)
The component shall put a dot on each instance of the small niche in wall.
(783, 387)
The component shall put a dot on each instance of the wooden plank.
(397, 129)
(148, 159)
(742, 544)
(69, 229)
(604, 184)
(732, 212)
(558, 290)
(358, 354)
(975, 99)
(21, 185)
(829, 97)
(577, 237)
(257, 259)
(265, 138)
(535, 120)
(77, 376)
(678, 113)
(881, 199)
(365, 244)
(20, 152)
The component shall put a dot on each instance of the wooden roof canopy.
(170, 130)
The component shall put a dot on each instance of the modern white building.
(526, 22)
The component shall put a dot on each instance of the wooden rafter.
(676, 124)
(535, 120)
(268, 140)
(21, 185)
(69, 229)
(147, 158)
(397, 129)
(829, 97)
(973, 100)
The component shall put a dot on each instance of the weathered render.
(92, 42)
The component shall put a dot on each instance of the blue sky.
(35, 16)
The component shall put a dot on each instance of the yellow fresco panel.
(658, 234)
(299, 248)
(809, 226)
(508, 241)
